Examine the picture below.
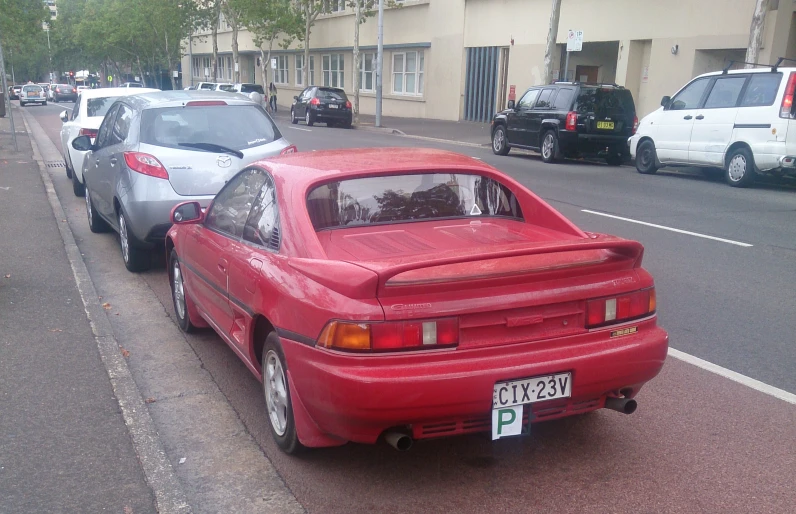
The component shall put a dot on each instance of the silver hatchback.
(155, 150)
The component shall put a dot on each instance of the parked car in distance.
(156, 149)
(32, 94)
(84, 120)
(408, 294)
(229, 88)
(568, 119)
(209, 86)
(13, 92)
(64, 92)
(740, 121)
(82, 88)
(254, 91)
(132, 84)
(328, 105)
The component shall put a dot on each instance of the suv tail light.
(145, 164)
(618, 309)
(290, 149)
(787, 99)
(572, 121)
(92, 133)
(635, 125)
(347, 104)
(390, 336)
(315, 101)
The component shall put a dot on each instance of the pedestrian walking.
(272, 99)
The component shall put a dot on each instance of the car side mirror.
(82, 143)
(295, 98)
(186, 213)
(64, 116)
(665, 101)
(511, 104)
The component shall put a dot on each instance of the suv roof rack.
(575, 83)
(773, 68)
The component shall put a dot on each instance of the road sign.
(175, 74)
(110, 78)
(574, 40)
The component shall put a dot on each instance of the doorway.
(587, 74)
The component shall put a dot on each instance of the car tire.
(95, 222)
(68, 167)
(347, 124)
(45, 104)
(22, 104)
(740, 168)
(309, 119)
(500, 144)
(276, 390)
(293, 118)
(77, 188)
(646, 158)
(615, 159)
(182, 303)
(549, 147)
(135, 259)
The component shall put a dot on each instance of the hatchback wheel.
(293, 118)
(646, 158)
(68, 168)
(550, 151)
(277, 396)
(77, 188)
(740, 170)
(308, 118)
(95, 223)
(500, 145)
(135, 259)
(179, 295)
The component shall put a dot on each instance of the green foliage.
(271, 20)
(23, 39)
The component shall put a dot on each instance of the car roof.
(766, 69)
(114, 91)
(176, 98)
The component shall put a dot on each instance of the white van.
(735, 120)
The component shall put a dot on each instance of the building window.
(312, 70)
(208, 69)
(334, 6)
(333, 70)
(280, 75)
(229, 68)
(366, 65)
(197, 67)
(407, 73)
(300, 70)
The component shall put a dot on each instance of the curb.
(157, 469)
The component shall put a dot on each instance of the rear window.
(227, 87)
(208, 85)
(28, 89)
(99, 106)
(598, 100)
(252, 88)
(406, 198)
(330, 94)
(761, 90)
(234, 126)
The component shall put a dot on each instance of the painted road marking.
(672, 229)
(303, 130)
(734, 376)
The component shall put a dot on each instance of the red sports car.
(411, 294)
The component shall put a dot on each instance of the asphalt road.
(698, 442)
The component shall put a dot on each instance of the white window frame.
(197, 67)
(312, 71)
(418, 74)
(229, 68)
(299, 69)
(208, 65)
(282, 68)
(333, 77)
(363, 73)
(332, 6)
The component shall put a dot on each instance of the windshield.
(252, 88)
(99, 106)
(331, 94)
(404, 198)
(233, 126)
(598, 100)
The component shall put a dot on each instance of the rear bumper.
(357, 398)
(592, 143)
(328, 114)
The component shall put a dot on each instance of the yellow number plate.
(605, 125)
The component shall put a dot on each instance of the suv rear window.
(252, 88)
(235, 126)
(28, 89)
(405, 198)
(600, 100)
(331, 93)
(99, 106)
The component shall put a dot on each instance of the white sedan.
(84, 120)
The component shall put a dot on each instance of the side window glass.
(262, 227)
(122, 126)
(762, 90)
(563, 101)
(725, 92)
(233, 203)
(76, 108)
(528, 99)
(105, 128)
(689, 97)
(544, 99)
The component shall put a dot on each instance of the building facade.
(463, 59)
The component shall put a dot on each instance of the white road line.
(734, 376)
(663, 227)
(301, 129)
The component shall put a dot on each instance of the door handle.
(113, 161)
(222, 265)
(700, 117)
(687, 117)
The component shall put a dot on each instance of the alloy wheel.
(123, 238)
(307, 117)
(498, 140)
(737, 168)
(275, 392)
(177, 288)
(547, 146)
(292, 116)
(646, 157)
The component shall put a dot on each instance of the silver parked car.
(155, 150)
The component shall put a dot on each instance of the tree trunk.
(552, 33)
(141, 72)
(169, 62)
(215, 48)
(357, 73)
(756, 33)
(307, 27)
(236, 66)
(263, 69)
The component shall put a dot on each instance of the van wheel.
(550, 150)
(646, 158)
(740, 169)
(500, 145)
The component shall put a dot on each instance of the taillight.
(315, 101)
(635, 124)
(88, 132)
(390, 336)
(572, 121)
(787, 99)
(290, 149)
(204, 103)
(145, 164)
(57, 90)
(348, 104)
(617, 309)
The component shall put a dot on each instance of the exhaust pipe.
(398, 440)
(623, 405)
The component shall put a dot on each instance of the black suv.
(568, 119)
(327, 105)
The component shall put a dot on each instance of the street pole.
(357, 57)
(11, 57)
(7, 101)
(380, 64)
(49, 53)
(190, 57)
(566, 67)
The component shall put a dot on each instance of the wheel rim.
(179, 291)
(737, 168)
(307, 117)
(646, 157)
(292, 115)
(123, 238)
(275, 392)
(498, 140)
(88, 207)
(547, 146)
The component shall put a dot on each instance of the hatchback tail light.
(618, 309)
(347, 104)
(390, 336)
(315, 101)
(572, 121)
(88, 132)
(786, 109)
(145, 164)
(635, 124)
(290, 149)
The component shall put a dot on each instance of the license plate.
(532, 390)
(332, 106)
(608, 125)
(33, 94)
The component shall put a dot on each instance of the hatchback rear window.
(407, 198)
(252, 88)
(99, 106)
(601, 100)
(28, 89)
(331, 94)
(234, 126)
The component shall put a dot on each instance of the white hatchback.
(742, 121)
(84, 120)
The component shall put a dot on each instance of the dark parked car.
(568, 119)
(64, 92)
(322, 104)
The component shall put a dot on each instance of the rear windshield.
(99, 106)
(227, 87)
(134, 84)
(28, 89)
(252, 88)
(234, 126)
(331, 94)
(599, 100)
(208, 85)
(405, 198)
